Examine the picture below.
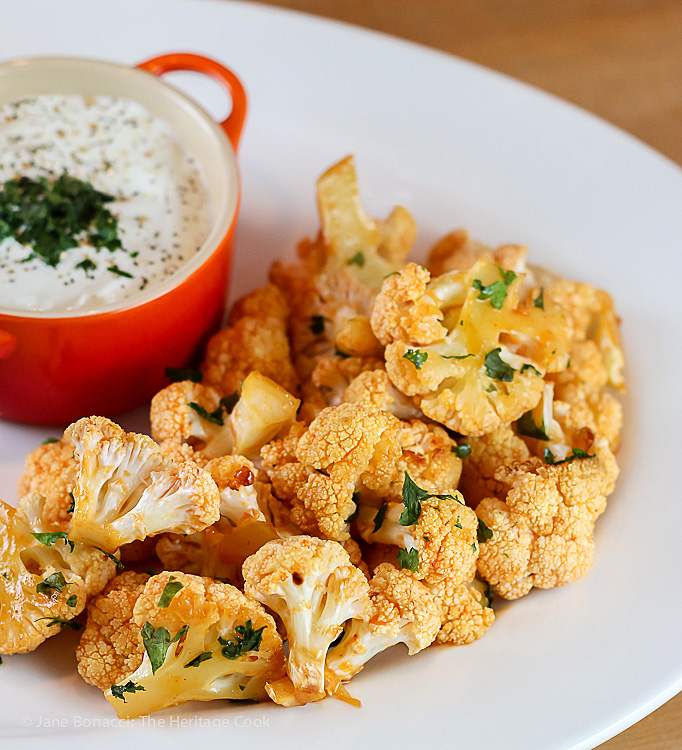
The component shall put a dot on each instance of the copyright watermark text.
(240, 721)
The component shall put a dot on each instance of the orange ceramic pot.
(57, 366)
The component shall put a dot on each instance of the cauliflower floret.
(402, 611)
(192, 413)
(436, 533)
(312, 586)
(45, 578)
(482, 352)
(500, 447)
(345, 446)
(218, 551)
(235, 477)
(541, 534)
(464, 610)
(374, 388)
(255, 340)
(110, 647)
(203, 640)
(127, 489)
(50, 471)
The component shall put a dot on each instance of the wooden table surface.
(621, 59)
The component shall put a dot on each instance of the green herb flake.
(316, 324)
(462, 451)
(156, 643)
(118, 691)
(113, 268)
(113, 559)
(214, 417)
(354, 514)
(339, 353)
(179, 374)
(229, 402)
(483, 533)
(55, 216)
(575, 453)
(169, 591)
(49, 441)
(357, 260)
(48, 538)
(496, 368)
(417, 357)
(457, 356)
(413, 496)
(497, 291)
(63, 624)
(408, 559)
(525, 425)
(86, 265)
(199, 659)
(539, 301)
(72, 601)
(379, 518)
(458, 524)
(474, 547)
(246, 639)
(181, 633)
(52, 584)
(532, 369)
(72, 506)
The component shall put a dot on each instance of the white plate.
(460, 146)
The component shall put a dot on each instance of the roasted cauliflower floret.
(50, 471)
(346, 446)
(255, 340)
(127, 489)
(235, 477)
(188, 412)
(110, 647)
(469, 350)
(464, 610)
(312, 586)
(203, 640)
(45, 578)
(402, 611)
(373, 388)
(436, 533)
(541, 534)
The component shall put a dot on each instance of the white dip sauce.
(121, 149)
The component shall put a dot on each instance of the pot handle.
(7, 342)
(197, 63)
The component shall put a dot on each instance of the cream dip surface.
(120, 148)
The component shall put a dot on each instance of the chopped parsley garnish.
(474, 547)
(357, 260)
(53, 583)
(169, 591)
(488, 596)
(483, 533)
(457, 356)
(49, 441)
(86, 265)
(354, 514)
(55, 216)
(113, 268)
(408, 559)
(316, 324)
(118, 691)
(246, 639)
(463, 450)
(178, 374)
(217, 416)
(496, 368)
(48, 538)
(63, 624)
(413, 495)
(72, 506)
(156, 643)
(113, 559)
(417, 357)
(379, 518)
(575, 453)
(539, 301)
(458, 524)
(199, 659)
(497, 291)
(526, 366)
(72, 601)
(525, 425)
